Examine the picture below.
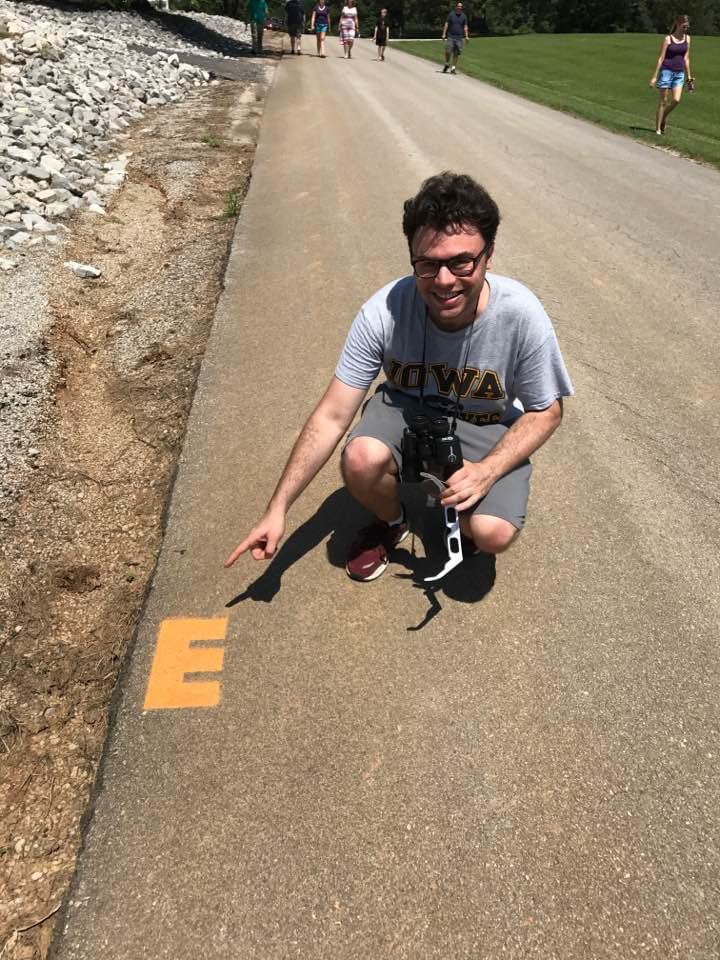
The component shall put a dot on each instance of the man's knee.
(492, 534)
(367, 457)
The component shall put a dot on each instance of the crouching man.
(452, 338)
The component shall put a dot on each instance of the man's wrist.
(490, 468)
(278, 504)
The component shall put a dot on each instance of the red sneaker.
(368, 556)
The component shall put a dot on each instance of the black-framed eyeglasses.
(462, 266)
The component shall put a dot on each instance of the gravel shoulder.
(100, 389)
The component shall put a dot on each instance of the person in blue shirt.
(455, 34)
(320, 25)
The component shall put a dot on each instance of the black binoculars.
(429, 445)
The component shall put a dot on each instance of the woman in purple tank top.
(671, 70)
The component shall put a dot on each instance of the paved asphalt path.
(533, 773)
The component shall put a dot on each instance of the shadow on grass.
(340, 517)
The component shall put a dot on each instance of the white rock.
(18, 239)
(114, 178)
(57, 210)
(52, 163)
(19, 153)
(35, 223)
(119, 163)
(7, 265)
(92, 196)
(26, 202)
(23, 185)
(84, 270)
(69, 83)
(41, 174)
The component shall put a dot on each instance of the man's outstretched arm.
(322, 432)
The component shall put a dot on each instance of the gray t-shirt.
(456, 25)
(507, 361)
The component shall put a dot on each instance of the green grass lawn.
(601, 77)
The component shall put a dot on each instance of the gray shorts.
(385, 416)
(454, 44)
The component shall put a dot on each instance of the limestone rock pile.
(69, 84)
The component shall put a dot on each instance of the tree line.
(495, 17)
(503, 17)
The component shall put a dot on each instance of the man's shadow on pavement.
(340, 517)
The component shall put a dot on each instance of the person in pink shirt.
(349, 29)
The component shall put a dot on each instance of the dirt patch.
(81, 542)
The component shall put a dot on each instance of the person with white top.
(349, 29)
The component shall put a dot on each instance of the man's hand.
(322, 432)
(527, 434)
(263, 539)
(468, 485)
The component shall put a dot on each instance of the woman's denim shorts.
(669, 79)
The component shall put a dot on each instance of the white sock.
(400, 519)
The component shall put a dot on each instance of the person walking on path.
(320, 25)
(349, 28)
(381, 34)
(672, 70)
(451, 337)
(455, 34)
(295, 23)
(257, 12)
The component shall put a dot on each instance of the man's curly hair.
(448, 201)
